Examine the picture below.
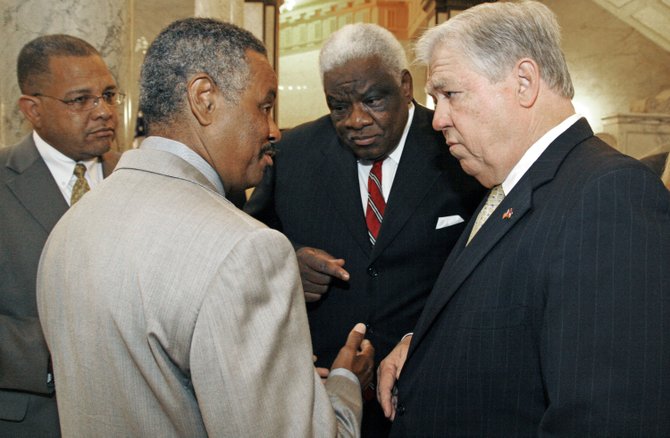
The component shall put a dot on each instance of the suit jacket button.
(400, 410)
(372, 272)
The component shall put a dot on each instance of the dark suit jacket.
(31, 204)
(656, 162)
(555, 320)
(317, 203)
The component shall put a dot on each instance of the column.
(231, 11)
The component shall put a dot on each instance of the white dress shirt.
(534, 152)
(389, 166)
(62, 167)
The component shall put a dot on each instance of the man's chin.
(369, 153)
(93, 150)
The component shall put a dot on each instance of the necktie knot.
(80, 185)
(79, 170)
(494, 199)
(376, 203)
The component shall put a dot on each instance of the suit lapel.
(339, 179)
(34, 186)
(463, 260)
(417, 172)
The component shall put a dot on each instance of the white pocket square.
(447, 221)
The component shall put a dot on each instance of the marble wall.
(120, 29)
(105, 24)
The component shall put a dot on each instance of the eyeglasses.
(87, 102)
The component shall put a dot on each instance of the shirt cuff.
(344, 373)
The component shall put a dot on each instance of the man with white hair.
(551, 316)
(369, 196)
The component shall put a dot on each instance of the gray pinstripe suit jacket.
(186, 318)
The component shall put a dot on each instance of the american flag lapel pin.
(508, 214)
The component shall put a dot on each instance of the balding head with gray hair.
(494, 36)
(363, 40)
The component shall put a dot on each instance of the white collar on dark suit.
(62, 167)
(534, 152)
(389, 166)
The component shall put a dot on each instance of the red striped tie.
(376, 204)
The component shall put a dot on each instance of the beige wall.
(300, 92)
(612, 65)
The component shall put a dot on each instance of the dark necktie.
(80, 186)
(376, 204)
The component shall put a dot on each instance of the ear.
(406, 85)
(31, 107)
(202, 98)
(528, 80)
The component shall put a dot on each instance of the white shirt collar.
(389, 166)
(62, 167)
(534, 152)
(397, 152)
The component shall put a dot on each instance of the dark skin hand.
(357, 355)
(317, 270)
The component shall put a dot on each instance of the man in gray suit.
(186, 317)
(69, 97)
(550, 316)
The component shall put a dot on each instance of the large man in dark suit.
(69, 97)
(552, 317)
(317, 195)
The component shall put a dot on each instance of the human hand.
(388, 373)
(357, 355)
(317, 269)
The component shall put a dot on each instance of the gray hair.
(35, 56)
(187, 47)
(493, 36)
(363, 40)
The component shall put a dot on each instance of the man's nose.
(358, 118)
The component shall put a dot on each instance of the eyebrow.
(89, 91)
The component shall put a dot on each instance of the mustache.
(269, 149)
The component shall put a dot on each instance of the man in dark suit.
(656, 162)
(69, 97)
(552, 318)
(317, 194)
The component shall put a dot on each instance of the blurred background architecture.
(618, 52)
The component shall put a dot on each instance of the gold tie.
(80, 186)
(495, 198)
